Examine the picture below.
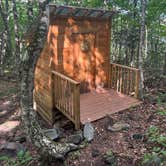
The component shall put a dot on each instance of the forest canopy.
(17, 15)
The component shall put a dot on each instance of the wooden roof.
(79, 12)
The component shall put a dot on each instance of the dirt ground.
(128, 150)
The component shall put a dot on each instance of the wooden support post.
(110, 77)
(137, 78)
(52, 96)
(128, 81)
(76, 103)
(109, 51)
(121, 75)
(131, 81)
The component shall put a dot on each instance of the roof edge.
(81, 12)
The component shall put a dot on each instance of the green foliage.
(153, 159)
(152, 133)
(22, 159)
(161, 98)
(161, 112)
(125, 28)
(158, 153)
(93, 3)
(154, 136)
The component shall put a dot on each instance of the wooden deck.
(95, 105)
(81, 108)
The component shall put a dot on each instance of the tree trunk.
(30, 10)
(17, 40)
(133, 31)
(5, 18)
(43, 4)
(32, 127)
(2, 51)
(142, 46)
(164, 68)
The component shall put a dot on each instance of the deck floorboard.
(95, 105)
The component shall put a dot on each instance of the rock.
(53, 134)
(137, 136)
(95, 152)
(12, 148)
(110, 159)
(3, 112)
(20, 139)
(155, 161)
(57, 125)
(88, 132)
(76, 138)
(118, 127)
(109, 121)
(133, 116)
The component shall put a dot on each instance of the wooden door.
(84, 65)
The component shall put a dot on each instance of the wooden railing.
(66, 96)
(124, 79)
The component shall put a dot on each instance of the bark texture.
(4, 13)
(17, 39)
(142, 46)
(32, 127)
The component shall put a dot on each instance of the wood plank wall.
(42, 81)
(58, 55)
(61, 35)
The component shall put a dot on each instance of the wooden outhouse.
(74, 73)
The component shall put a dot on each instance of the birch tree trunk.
(32, 127)
(5, 18)
(133, 31)
(17, 40)
(30, 10)
(142, 46)
(2, 51)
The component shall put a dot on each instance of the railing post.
(110, 77)
(52, 94)
(122, 79)
(76, 104)
(137, 78)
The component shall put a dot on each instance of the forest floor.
(144, 141)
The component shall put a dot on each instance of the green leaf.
(156, 149)
(162, 140)
(163, 153)
(161, 112)
(4, 158)
(20, 154)
(26, 160)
